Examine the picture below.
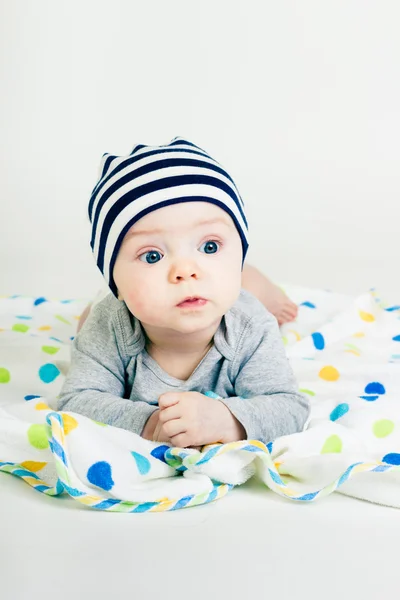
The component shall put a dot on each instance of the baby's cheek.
(136, 302)
(143, 303)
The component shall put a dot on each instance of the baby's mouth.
(192, 302)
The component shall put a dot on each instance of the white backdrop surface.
(299, 101)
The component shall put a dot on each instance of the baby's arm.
(95, 383)
(267, 402)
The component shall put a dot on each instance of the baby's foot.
(272, 296)
(279, 304)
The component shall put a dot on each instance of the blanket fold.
(346, 356)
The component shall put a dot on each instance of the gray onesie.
(114, 380)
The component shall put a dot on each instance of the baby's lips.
(191, 299)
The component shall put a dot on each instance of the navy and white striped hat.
(149, 178)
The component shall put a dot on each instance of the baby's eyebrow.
(132, 234)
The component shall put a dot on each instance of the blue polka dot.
(25, 317)
(39, 301)
(392, 308)
(159, 452)
(396, 338)
(48, 373)
(308, 304)
(392, 459)
(31, 397)
(339, 411)
(318, 340)
(99, 474)
(143, 464)
(369, 398)
(269, 446)
(374, 388)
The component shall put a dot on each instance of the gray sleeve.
(267, 402)
(95, 383)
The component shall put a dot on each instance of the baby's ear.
(119, 296)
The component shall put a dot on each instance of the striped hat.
(149, 178)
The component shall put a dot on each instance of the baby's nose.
(183, 271)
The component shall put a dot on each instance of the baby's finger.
(181, 441)
(157, 431)
(162, 437)
(168, 399)
(170, 413)
(174, 427)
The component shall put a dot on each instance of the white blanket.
(346, 356)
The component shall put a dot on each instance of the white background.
(299, 101)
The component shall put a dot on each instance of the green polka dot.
(20, 327)
(285, 340)
(352, 347)
(63, 320)
(50, 349)
(332, 444)
(101, 424)
(38, 436)
(382, 428)
(309, 392)
(4, 375)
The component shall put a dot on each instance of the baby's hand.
(153, 429)
(193, 419)
(159, 435)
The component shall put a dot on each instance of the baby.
(169, 234)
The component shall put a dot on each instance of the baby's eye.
(210, 247)
(151, 257)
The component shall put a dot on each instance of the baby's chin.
(187, 324)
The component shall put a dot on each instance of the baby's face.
(185, 250)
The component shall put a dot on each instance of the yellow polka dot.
(44, 328)
(69, 423)
(366, 316)
(359, 334)
(33, 465)
(329, 373)
(295, 333)
(42, 406)
(353, 352)
(77, 317)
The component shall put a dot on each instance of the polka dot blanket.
(345, 353)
